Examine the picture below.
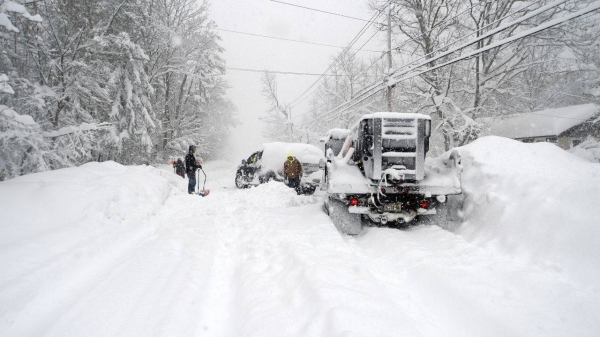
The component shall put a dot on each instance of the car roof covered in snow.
(275, 154)
(550, 122)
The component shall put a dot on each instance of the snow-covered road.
(254, 262)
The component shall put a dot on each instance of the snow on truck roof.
(275, 154)
(394, 115)
(390, 115)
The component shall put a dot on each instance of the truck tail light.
(424, 204)
(353, 202)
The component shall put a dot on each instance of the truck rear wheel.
(344, 221)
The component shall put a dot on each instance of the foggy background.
(278, 20)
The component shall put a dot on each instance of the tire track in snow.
(264, 262)
(62, 293)
(154, 290)
(286, 289)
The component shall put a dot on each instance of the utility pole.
(389, 45)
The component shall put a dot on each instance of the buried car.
(267, 164)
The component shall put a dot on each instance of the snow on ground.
(536, 202)
(108, 250)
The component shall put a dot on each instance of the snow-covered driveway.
(154, 261)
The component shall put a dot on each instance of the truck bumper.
(385, 217)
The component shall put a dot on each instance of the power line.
(406, 42)
(380, 85)
(344, 89)
(282, 72)
(319, 10)
(521, 35)
(498, 29)
(465, 45)
(284, 39)
(484, 36)
(354, 40)
(307, 96)
(380, 82)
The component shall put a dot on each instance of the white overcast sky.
(274, 19)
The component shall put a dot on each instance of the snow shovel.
(203, 192)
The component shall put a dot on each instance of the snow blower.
(203, 192)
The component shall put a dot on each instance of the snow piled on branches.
(11, 6)
(114, 80)
(588, 150)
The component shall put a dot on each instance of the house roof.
(550, 122)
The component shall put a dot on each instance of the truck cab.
(380, 172)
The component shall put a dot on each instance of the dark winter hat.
(192, 147)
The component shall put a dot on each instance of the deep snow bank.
(79, 195)
(533, 201)
(61, 230)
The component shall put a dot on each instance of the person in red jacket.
(179, 168)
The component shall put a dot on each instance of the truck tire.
(345, 222)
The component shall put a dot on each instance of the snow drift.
(111, 250)
(61, 230)
(536, 202)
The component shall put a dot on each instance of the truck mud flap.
(346, 223)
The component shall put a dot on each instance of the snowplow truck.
(380, 171)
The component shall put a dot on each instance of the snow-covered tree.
(279, 126)
(131, 81)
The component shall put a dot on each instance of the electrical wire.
(307, 96)
(460, 39)
(465, 45)
(510, 39)
(521, 35)
(319, 10)
(282, 72)
(289, 40)
(446, 20)
(354, 40)
(484, 36)
(346, 88)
